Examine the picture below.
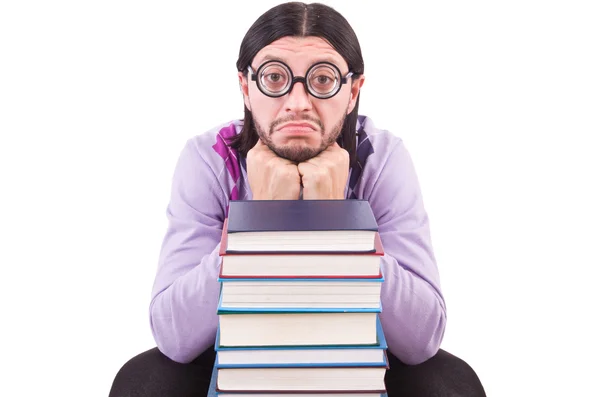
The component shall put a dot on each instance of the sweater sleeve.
(413, 308)
(184, 300)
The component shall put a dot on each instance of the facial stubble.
(295, 151)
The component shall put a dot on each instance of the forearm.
(183, 317)
(413, 315)
(184, 297)
(414, 311)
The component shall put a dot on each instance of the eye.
(323, 80)
(274, 77)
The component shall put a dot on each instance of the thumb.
(260, 145)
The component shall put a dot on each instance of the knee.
(132, 378)
(151, 374)
(442, 375)
(455, 376)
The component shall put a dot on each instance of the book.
(300, 265)
(302, 327)
(300, 226)
(300, 293)
(212, 391)
(295, 394)
(300, 300)
(333, 355)
(307, 379)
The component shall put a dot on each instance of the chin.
(298, 143)
(297, 153)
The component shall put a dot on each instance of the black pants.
(152, 374)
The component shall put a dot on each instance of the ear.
(355, 90)
(244, 89)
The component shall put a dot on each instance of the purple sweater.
(183, 309)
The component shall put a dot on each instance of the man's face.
(297, 125)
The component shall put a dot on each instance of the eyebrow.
(324, 59)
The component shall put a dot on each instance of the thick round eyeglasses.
(323, 80)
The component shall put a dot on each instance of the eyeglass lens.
(322, 79)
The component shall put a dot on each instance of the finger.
(315, 161)
(305, 167)
(260, 143)
(261, 147)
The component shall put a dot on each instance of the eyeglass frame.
(296, 79)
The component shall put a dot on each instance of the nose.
(298, 99)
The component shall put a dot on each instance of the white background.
(498, 103)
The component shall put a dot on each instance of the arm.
(414, 311)
(183, 309)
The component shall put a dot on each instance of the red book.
(300, 264)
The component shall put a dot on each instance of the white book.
(301, 293)
(302, 379)
(301, 265)
(306, 355)
(306, 265)
(298, 329)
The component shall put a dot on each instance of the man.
(300, 71)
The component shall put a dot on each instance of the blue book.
(297, 327)
(302, 380)
(310, 356)
(300, 226)
(212, 392)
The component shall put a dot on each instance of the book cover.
(300, 215)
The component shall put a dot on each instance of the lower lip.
(297, 130)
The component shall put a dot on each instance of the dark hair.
(301, 20)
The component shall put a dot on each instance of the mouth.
(297, 127)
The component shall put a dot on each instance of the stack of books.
(300, 300)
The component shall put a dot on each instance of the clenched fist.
(325, 175)
(270, 176)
